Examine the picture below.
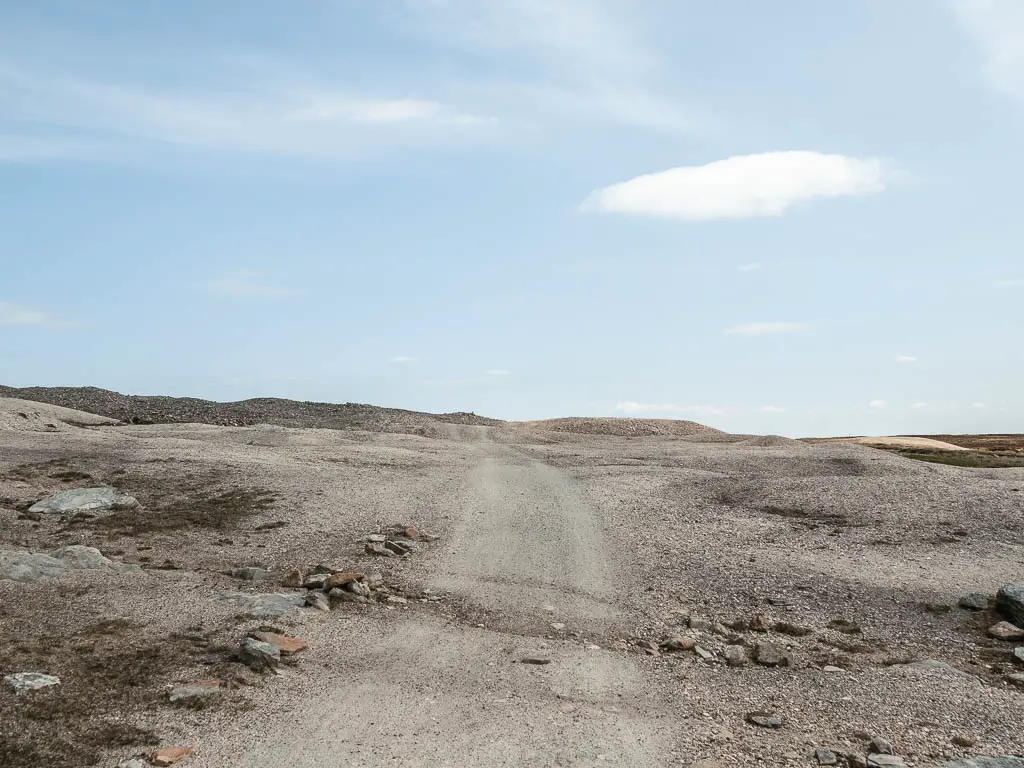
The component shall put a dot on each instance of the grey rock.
(705, 654)
(26, 567)
(986, 762)
(358, 588)
(764, 719)
(879, 761)
(826, 757)
(880, 746)
(83, 500)
(81, 558)
(1017, 678)
(1018, 655)
(769, 654)
(259, 655)
(701, 624)
(318, 601)
(376, 538)
(976, 601)
(260, 606)
(316, 580)
(735, 655)
(380, 550)
(251, 573)
(1004, 630)
(31, 681)
(1010, 602)
(339, 595)
(135, 762)
(193, 692)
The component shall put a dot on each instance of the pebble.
(1017, 678)
(963, 741)
(200, 689)
(538, 660)
(703, 653)
(880, 746)
(879, 761)
(318, 601)
(259, 655)
(764, 719)
(829, 668)
(251, 573)
(701, 624)
(679, 643)
(735, 655)
(558, 626)
(285, 644)
(769, 654)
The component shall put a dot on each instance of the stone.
(735, 655)
(879, 761)
(1018, 655)
(761, 623)
(538, 660)
(376, 538)
(339, 595)
(26, 567)
(316, 581)
(251, 573)
(81, 558)
(83, 500)
(986, 762)
(880, 746)
(1010, 603)
(259, 606)
(701, 624)
(259, 655)
(191, 693)
(1004, 630)
(135, 762)
(976, 601)
(398, 547)
(322, 568)
(170, 755)
(31, 681)
(411, 532)
(769, 654)
(705, 654)
(397, 600)
(854, 760)
(793, 630)
(826, 757)
(764, 719)
(285, 644)
(374, 580)
(830, 668)
(1016, 678)
(318, 601)
(293, 580)
(379, 549)
(963, 741)
(679, 643)
(358, 588)
(340, 579)
(558, 626)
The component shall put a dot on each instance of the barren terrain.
(551, 623)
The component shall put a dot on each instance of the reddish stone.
(412, 532)
(170, 755)
(284, 643)
(341, 578)
(1004, 630)
(293, 580)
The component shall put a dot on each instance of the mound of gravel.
(624, 427)
(142, 409)
(773, 441)
(26, 416)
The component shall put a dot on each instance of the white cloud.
(15, 314)
(246, 282)
(773, 409)
(977, 405)
(497, 372)
(761, 329)
(752, 266)
(877, 405)
(633, 408)
(906, 359)
(402, 359)
(918, 406)
(1009, 283)
(742, 187)
(997, 26)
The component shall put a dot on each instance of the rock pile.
(397, 541)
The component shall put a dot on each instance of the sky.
(797, 217)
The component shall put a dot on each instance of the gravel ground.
(583, 550)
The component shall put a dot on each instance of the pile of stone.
(264, 649)
(1009, 604)
(397, 541)
(716, 642)
(326, 588)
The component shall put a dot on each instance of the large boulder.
(1010, 601)
(27, 567)
(83, 500)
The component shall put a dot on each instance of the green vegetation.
(975, 459)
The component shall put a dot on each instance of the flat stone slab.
(986, 762)
(266, 605)
(31, 681)
(1010, 601)
(27, 567)
(83, 500)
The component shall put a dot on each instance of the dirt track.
(618, 539)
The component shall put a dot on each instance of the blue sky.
(794, 217)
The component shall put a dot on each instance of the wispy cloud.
(977, 405)
(15, 314)
(997, 26)
(919, 406)
(906, 359)
(742, 187)
(582, 57)
(773, 409)
(633, 408)
(264, 113)
(751, 267)
(402, 359)
(246, 283)
(877, 405)
(762, 329)
(1010, 283)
